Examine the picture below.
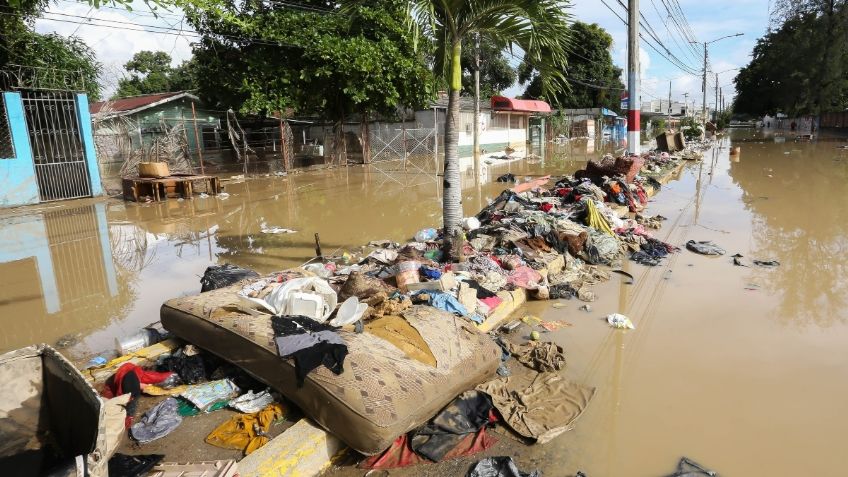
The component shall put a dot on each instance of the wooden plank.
(143, 357)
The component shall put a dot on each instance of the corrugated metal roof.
(131, 103)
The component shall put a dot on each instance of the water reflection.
(795, 193)
(57, 275)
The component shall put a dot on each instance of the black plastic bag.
(500, 467)
(122, 465)
(219, 276)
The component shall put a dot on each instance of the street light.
(704, 83)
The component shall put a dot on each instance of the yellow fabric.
(246, 432)
(153, 390)
(402, 335)
(596, 220)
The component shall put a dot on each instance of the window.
(7, 149)
(516, 122)
(499, 121)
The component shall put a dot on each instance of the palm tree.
(538, 28)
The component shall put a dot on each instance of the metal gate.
(406, 156)
(57, 149)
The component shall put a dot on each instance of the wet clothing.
(538, 406)
(467, 414)
(157, 422)
(310, 343)
(704, 247)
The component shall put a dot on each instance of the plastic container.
(129, 344)
(426, 235)
(407, 273)
(306, 304)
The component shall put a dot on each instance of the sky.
(708, 20)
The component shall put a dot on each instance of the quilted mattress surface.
(380, 395)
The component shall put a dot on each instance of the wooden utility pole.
(197, 144)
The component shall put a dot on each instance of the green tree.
(43, 60)
(801, 66)
(264, 58)
(537, 27)
(496, 74)
(595, 80)
(151, 72)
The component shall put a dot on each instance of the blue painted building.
(46, 148)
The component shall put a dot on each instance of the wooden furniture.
(156, 188)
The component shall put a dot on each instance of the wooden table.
(156, 187)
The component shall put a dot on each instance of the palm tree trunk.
(452, 201)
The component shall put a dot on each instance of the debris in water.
(586, 308)
(617, 320)
(554, 325)
(704, 247)
(277, 230)
(204, 195)
(767, 263)
(223, 195)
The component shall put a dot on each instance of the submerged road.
(738, 368)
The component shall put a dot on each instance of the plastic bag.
(426, 235)
(219, 276)
(617, 320)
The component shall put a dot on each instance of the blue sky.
(708, 20)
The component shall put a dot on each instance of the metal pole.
(704, 91)
(633, 113)
(197, 138)
(477, 106)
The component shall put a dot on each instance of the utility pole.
(633, 113)
(715, 111)
(686, 104)
(669, 102)
(477, 106)
(704, 90)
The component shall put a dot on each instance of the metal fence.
(405, 156)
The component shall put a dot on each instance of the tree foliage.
(802, 66)
(261, 57)
(151, 72)
(43, 60)
(536, 27)
(496, 74)
(595, 80)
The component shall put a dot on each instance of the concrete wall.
(17, 174)
(18, 183)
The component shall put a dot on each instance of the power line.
(673, 60)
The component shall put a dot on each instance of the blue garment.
(444, 301)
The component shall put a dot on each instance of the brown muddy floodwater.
(741, 369)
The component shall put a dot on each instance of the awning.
(502, 103)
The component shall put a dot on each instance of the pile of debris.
(543, 239)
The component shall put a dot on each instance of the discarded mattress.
(381, 394)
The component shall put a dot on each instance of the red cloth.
(492, 302)
(547, 206)
(400, 454)
(113, 387)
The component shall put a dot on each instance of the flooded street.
(79, 274)
(738, 368)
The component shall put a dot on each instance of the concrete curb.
(303, 450)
